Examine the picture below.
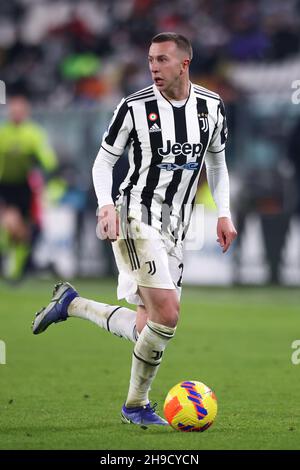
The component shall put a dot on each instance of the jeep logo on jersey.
(173, 166)
(189, 150)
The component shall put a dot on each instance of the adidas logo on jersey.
(155, 128)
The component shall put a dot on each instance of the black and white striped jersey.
(167, 145)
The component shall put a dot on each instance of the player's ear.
(185, 64)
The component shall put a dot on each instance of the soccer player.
(171, 127)
(23, 147)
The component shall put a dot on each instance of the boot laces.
(56, 287)
(153, 407)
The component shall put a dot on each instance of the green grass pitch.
(64, 388)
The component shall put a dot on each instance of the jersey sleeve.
(218, 181)
(113, 144)
(116, 137)
(219, 136)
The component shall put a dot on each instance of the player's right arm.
(113, 143)
(108, 223)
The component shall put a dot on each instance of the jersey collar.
(161, 97)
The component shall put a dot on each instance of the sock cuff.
(162, 330)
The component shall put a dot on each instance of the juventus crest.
(203, 118)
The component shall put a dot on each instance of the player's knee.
(14, 224)
(168, 312)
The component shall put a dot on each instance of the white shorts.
(146, 258)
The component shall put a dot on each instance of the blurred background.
(66, 64)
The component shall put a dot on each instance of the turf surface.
(64, 388)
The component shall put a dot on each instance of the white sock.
(120, 321)
(147, 356)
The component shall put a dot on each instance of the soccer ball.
(190, 406)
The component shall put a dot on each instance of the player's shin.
(147, 356)
(120, 321)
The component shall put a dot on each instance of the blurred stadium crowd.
(74, 59)
(64, 51)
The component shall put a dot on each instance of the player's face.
(167, 64)
(18, 110)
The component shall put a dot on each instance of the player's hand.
(108, 223)
(226, 232)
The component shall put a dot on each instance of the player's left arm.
(226, 232)
(218, 180)
(43, 151)
(47, 161)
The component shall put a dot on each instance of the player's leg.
(141, 318)
(14, 223)
(163, 309)
(121, 321)
(16, 206)
(17, 247)
(66, 302)
(162, 306)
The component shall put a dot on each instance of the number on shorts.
(180, 266)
